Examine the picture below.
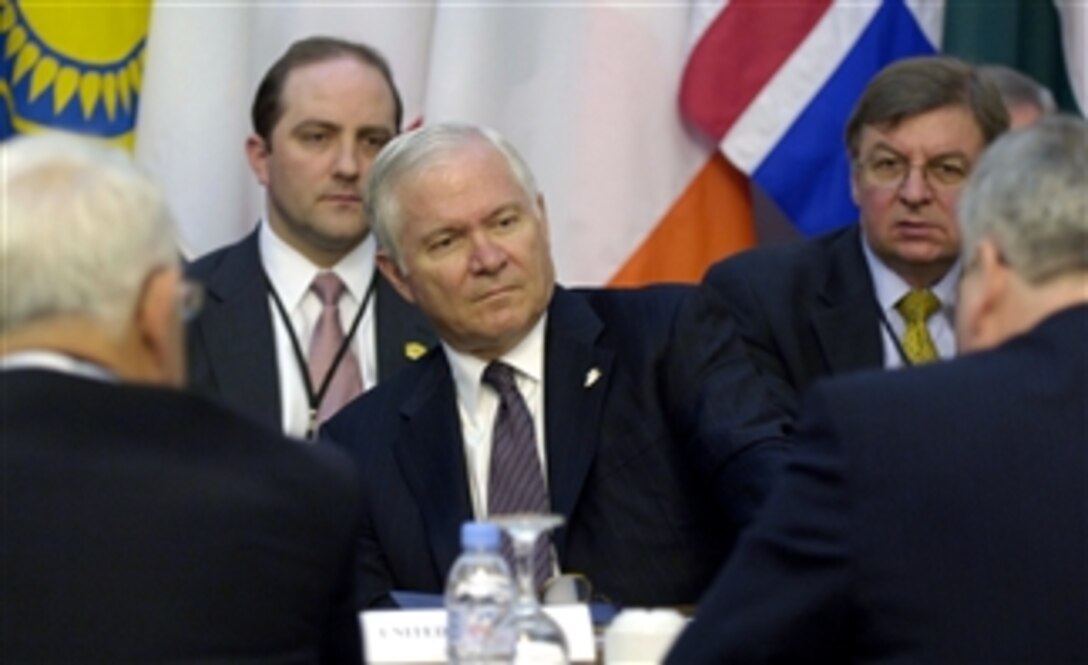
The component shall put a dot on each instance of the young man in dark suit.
(320, 116)
(939, 515)
(140, 523)
(843, 301)
(642, 424)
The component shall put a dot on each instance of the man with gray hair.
(633, 414)
(1025, 99)
(938, 515)
(141, 524)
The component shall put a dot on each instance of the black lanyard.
(313, 398)
(907, 362)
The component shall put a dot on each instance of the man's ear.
(985, 326)
(257, 151)
(159, 329)
(543, 215)
(994, 272)
(394, 275)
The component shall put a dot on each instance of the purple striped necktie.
(515, 480)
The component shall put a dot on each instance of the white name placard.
(419, 636)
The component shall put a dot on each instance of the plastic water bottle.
(479, 592)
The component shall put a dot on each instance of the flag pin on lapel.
(414, 350)
(591, 376)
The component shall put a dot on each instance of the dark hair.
(267, 108)
(912, 86)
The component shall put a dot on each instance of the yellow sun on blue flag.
(72, 65)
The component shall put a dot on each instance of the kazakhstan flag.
(73, 65)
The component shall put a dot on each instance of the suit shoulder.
(654, 298)
(378, 409)
(797, 262)
(207, 264)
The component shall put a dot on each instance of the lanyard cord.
(314, 398)
(895, 338)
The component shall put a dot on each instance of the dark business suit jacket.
(805, 310)
(656, 466)
(931, 515)
(146, 525)
(232, 346)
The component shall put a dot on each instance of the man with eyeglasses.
(141, 523)
(939, 515)
(879, 293)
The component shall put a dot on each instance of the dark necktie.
(916, 307)
(515, 480)
(327, 339)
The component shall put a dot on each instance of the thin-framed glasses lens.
(892, 170)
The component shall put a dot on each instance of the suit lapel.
(430, 453)
(577, 377)
(402, 332)
(846, 318)
(239, 338)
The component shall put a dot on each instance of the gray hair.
(1017, 88)
(413, 152)
(82, 228)
(1029, 194)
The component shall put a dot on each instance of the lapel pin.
(591, 377)
(414, 350)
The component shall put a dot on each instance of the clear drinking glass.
(526, 634)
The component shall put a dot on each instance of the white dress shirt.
(291, 275)
(478, 405)
(54, 361)
(890, 289)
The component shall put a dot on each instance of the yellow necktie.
(916, 307)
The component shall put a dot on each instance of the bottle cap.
(479, 535)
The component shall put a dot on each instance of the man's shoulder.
(242, 252)
(791, 261)
(656, 299)
(379, 409)
(913, 399)
(170, 421)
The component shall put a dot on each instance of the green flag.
(1023, 34)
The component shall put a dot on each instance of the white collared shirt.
(54, 361)
(890, 289)
(291, 275)
(478, 405)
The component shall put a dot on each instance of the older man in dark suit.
(139, 523)
(939, 515)
(880, 292)
(641, 422)
(283, 301)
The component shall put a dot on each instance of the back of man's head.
(1026, 99)
(82, 230)
(1024, 220)
(1029, 194)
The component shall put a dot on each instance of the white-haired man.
(938, 515)
(635, 414)
(141, 524)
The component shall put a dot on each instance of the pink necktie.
(327, 339)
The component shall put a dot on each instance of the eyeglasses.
(190, 299)
(890, 171)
